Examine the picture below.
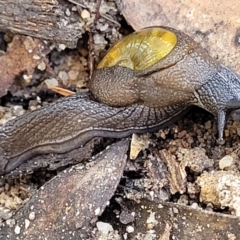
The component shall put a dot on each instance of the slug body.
(146, 81)
(70, 122)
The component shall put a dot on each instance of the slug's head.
(220, 95)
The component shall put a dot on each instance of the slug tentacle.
(219, 95)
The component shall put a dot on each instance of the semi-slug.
(148, 79)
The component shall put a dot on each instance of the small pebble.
(10, 222)
(63, 76)
(51, 82)
(72, 74)
(27, 78)
(5, 213)
(41, 66)
(104, 227)
(33, 105)
(39, 100)
(62, 46)
(225, 162)
(31, 216)
(32, 108)
(36, 57)
(102, 27)
(26, 95)
(208, 125)
(17, 230)
(130, 229)
(18, 111)
(85, 14)
(67, 12)
(194, 205)
(97, 211)
(182, 134)
(27, 224)
(8, 37)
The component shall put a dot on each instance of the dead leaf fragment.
(62, 91)
(177, 174)
(138, 144)
(68, 204)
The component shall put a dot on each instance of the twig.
(77, 3)
(110, 19)
(97, 11)
(102, 15)
(91, 42)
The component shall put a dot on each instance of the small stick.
(91, 41)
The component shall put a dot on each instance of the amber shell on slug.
(140, 50)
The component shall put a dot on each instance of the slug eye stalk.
(220, 95)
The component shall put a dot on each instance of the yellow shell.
(141, 49)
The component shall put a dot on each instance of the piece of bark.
(67, 206)
(47, 19)
(177, 176)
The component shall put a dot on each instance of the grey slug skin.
(72, 121)
(125, 101)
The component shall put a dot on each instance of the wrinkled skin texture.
(70, 122)
(123, 101)
(169, 81)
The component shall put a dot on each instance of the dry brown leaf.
(215, 24)
(67, 206)
(23, 55)
(62, 91)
